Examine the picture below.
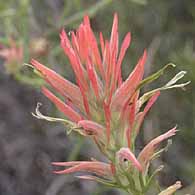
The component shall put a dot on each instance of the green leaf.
(154, 76)
(169, 85)
(152, 177)
(142, 181)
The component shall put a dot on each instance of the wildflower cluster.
(107, 109)
(12, 55)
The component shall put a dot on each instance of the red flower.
(105, 107)
(98, 75)
(95, 167)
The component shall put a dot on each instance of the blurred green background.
(28, 146)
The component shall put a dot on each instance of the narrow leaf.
(154, 76)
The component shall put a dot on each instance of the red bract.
(147, 153)
(103, 106)
(65, 108)
(98, 168)
(98, 75)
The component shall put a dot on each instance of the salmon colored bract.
(104, 107)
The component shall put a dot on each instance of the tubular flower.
(104, 107)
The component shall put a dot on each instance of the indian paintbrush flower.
(105, 108)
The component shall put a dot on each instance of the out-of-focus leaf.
(142, 2)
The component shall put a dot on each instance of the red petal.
(99, 168)
(127, 89)
(86, 20)
(124, 47)
(114, 38)
(75, 42)
(151, 101)
(93, 77)
(85, 100)
(102, 43)
(107, 60)
(148, 151)
(60, 84)
(74, 60)
(114, 34)
(64, 39)
(78, 69)
(67, 110)
(68, 164)
(83, 46)
(89, 35)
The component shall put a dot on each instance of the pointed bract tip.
(86, 20)
(144, 57)
(128, 37)
(62, 34)
(116, 17)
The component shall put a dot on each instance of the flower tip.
(62, 33)
(115, 16)
(144, 55)
(60, 163)
(33, 61)
(127, 39)
(173, 131)
(55, 172)
(44, 90)
(35, 64)
(86, 20)
(129, 36)
(54, 163)
(60, 172)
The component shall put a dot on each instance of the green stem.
(76, 149)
